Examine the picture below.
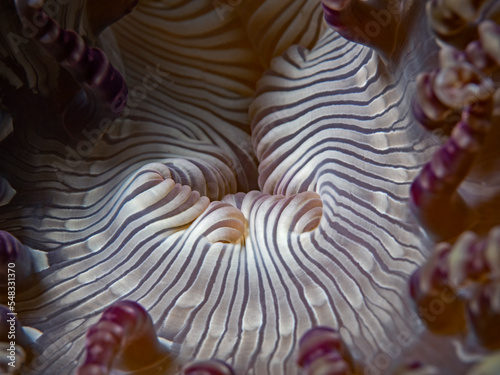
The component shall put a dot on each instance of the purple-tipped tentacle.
(104, 92)
(484, 314)
(209, 367)
(455, 22)
(461, 80)
(437, 302)
(124, 339)
(471, 265)
(321, 351)
(463, 85)
(475, 260)
(470, 260)
(15, 261)
(433, 195)
(376, 24)
(479, 57)
(427, 108)
(453, 87)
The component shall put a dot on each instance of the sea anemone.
(229, 187)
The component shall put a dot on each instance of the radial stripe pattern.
(256, 186)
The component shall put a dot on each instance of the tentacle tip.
(484, 315)
(208, 367)
(322, 348)
(376, 25)
(124, 339)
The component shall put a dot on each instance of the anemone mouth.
(255, 186)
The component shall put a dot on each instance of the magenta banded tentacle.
(124, 339)
(475, 260)
(321, 351)
(104, 92)
(428, 110)
(208, 367)
(461, 85)
(376, 24)
(431, 292)
(455, 22)
(433, 195)
(483, 311)
(446, 91)
(462, 79)
(462, 283)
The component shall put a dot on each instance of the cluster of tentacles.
(294, 225)
(463, 86)
(90, 92)
(457, 290)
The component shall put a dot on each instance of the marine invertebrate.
(256, 186)
(321, 351)
(472, 266)
(382, 25)
(461, 84)
(103, 94)
(210, 367)
(124, 339)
